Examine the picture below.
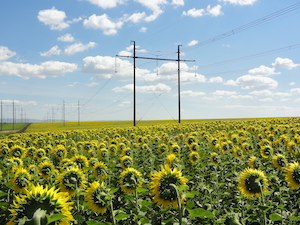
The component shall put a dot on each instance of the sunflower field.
(207, 172)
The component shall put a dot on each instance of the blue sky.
(58, 55)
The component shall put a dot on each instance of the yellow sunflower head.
(162, 189)
(252, 182)
(21, 180)
(17, 151)
(253, 162)
(130, 180)
(194, 147)
(163, 148)
(46, 169)
(190, 140)
(71, 180)
(97, 197)
(293, 175)
(238, 152)
(60, 151)
(80, 160)
(40, 153)
(214, 158)
(175, 149)
(37, 198)
(171, 160)
(100, 170)
(279, 161)
(293, 147)
(126, 162)
(194, 157)
(103, 153)
(266, 151)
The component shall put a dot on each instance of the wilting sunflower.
(46, 169)
(279, 161)
(130, 180)
(163, 192)
(126, 161)
(100, 170)
(21, 180)
(266, 151)
(194, 157)
(97, 197)
(252, 182)
(71, 180)
(38, 197)
(253, 162)
(214, 158)
(293, 175)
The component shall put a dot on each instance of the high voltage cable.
(247, 26)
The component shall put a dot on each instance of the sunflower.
(293, 175)
(40, 153)
(4, 150)
(175, 149)
(126, 151)
(41, 198)
(93, 161)
(162, 189)
(293, 147)
(17, 151)
(80, 160)
(279, 161)
(238, 152)
(252, 182)
(100, 170)
(253, 162)
(130, 180)
(71, 180)
(33, 169)
(46, 169)
(60, 151)
(194, 147)
(97, 197)
(194, 157)
(21, 180)
(31, 152)
(171, 159)
(113, 149)
(126, 161)
(266, 151)
(190, 140)
(214, 158)
(162, 148)
(103, 153)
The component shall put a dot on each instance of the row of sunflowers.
(216, 172)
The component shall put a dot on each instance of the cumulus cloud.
(215, 80)
(254, 82)
(295, 91)
(262, 71)
(157, 89)
(209, 11)
(5, 53)
(269, 93)
(53, 51)
(240, 2)
(53, 18)
(192, 43)
(78, 47)
(104, 4)
(136, 17)
(178, 2)
(45, 69)
(284, 63)
(143, 30)
(104, 23)
(66, 38)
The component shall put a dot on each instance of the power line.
(247, 26)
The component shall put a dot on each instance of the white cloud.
(192, 43)
(295, 91)
(158, 88)
(73, 84)
(222, 93)
(78, 47)
(143, 30)
(215, 80)
(178, 2)
(104, 23)
(266, 100)
(190, 93)
(284, 63)
(154, 5)
(105, 4)
(66, 38)
(45, 69)
(254, 82)
(124, 103)
(53, 18)
(53, 51)
(136, 17)
(292, 83)
(240, 2)
(94, 83)
(5, 53)
(262, 71)
(18, 102)
(214, 11)
(262, 93)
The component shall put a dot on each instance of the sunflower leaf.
(53, 218)
(275, 217)
(294, 218)
(121, 216)
(202, 213)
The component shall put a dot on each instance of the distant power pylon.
(150, 58)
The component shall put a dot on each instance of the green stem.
(179, 204)
(112, 213)
(263, 203)
(38, 216)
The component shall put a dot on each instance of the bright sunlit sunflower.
(17, 151)
(97, 197)
(293, 175)
(253, 162)
(21, 180)
(252, 182)
(279, 161)
(72, 179)
(171, 160)
(163, 192)
(130, 180)
(100, 170)
(44, 198)
(80, 160)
